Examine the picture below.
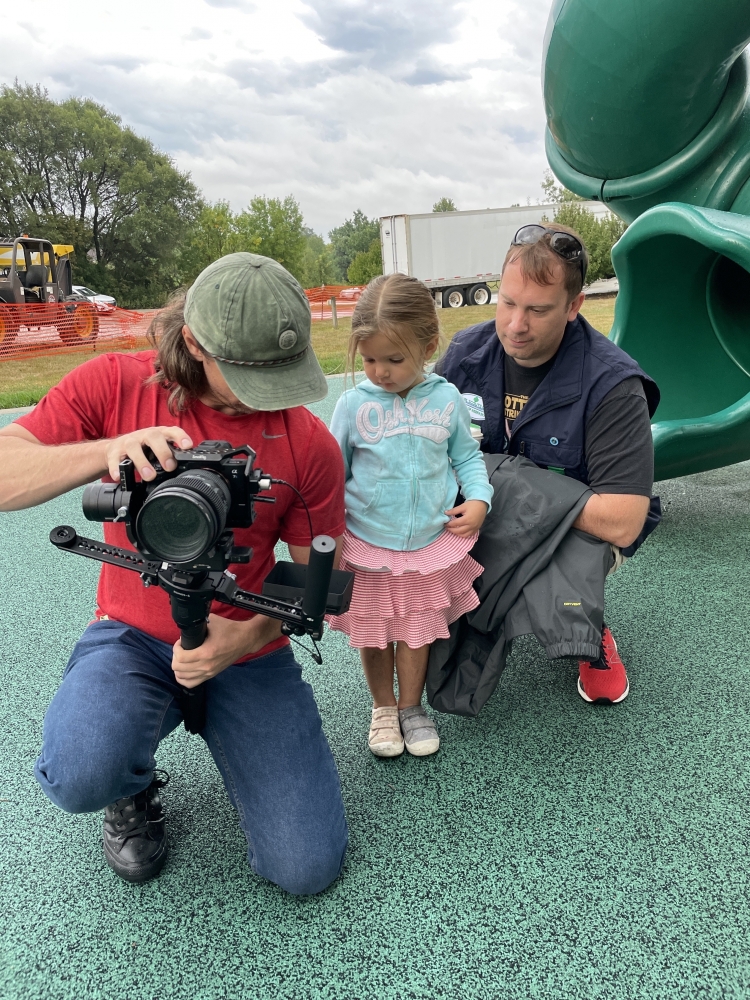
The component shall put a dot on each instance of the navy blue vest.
(551, 428)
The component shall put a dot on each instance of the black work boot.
(135, 838)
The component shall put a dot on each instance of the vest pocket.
(556, 456)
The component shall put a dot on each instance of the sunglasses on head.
(565, 245)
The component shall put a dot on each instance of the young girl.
(406, 438)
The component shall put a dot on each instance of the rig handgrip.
(193, 705)
(194, 636)
(318, 578)
(193, 700)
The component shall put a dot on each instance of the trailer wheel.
(453, 298)
(8, 328)
(78, 324)
(480, 295)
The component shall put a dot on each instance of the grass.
(23, 383)
(600, 313)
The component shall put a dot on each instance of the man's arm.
(614, 517)
(620, 462)
(33, 473)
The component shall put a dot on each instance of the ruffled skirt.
(409, 597)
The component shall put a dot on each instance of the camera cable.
(315, 651)
(283, 482)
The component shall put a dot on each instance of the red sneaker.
(603, 681)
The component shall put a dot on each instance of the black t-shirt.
(520, 382)
(619, 447)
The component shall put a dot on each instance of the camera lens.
(183, 517)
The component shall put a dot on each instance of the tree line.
(71, 172)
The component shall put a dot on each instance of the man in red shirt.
(233, 362)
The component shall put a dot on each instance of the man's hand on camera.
(227, 641)
(157, 439)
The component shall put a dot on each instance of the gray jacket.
(541, 575)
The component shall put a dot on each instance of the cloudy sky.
(383, 105)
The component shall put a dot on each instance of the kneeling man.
(541, 382)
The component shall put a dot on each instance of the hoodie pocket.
(430, 506)
(389, 510)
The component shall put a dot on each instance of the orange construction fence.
(36, 329)
(345, 296)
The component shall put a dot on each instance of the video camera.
(181, 516)
(180, 524)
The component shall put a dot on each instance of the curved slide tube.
(648, 103)
(684, 312)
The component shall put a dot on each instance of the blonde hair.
(402, 309)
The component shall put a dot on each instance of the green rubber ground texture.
(551, 849)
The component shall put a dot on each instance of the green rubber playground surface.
(550, 850)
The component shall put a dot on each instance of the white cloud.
(384, 105)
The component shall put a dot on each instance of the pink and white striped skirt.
(409, 597)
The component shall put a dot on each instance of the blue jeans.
(118, 700)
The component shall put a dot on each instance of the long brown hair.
(175, 367)
(402, 309)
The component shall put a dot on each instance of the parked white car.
(103, 303)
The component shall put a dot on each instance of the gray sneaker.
(420, 735)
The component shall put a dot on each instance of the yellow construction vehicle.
(36, 291)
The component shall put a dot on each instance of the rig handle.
(190, 613)
(193, 700)
(193, 705)
(318, 578)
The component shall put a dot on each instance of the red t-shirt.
(107, 397)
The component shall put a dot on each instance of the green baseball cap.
(252, 317)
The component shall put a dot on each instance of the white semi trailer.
(456, 254)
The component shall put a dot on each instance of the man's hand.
(227, 641)
(34, 473)
(614, 517)
(131, 446)
(468, 517)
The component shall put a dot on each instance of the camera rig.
(179, 524)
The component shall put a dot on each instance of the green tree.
(70, 172)
(211, 237)
(353, 236)
(273, 228)
(555, 193)
(319, 268)
(599, 235)
(366, 266)
(445, 205)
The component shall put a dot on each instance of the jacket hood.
(422, 389)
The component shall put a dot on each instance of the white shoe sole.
(603, 701)
(424, 748)
(387, 749)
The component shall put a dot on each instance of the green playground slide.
(647, 109)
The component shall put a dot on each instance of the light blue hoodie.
(402, 458)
